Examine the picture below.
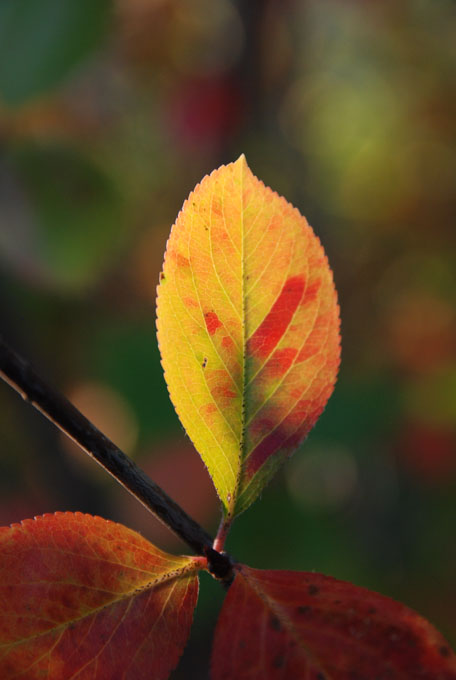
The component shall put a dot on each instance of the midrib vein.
(185, 572)
(243, 325)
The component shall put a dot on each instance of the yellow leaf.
(248, 328)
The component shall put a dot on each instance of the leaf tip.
(242, 161)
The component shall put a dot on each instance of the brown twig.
(18, 373)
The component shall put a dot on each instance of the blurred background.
(110, 112)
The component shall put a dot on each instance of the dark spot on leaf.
(394, 636)
(204, 364)
(304, 609)
(313, 590)
(275, 623)
(444, 651)
(321, 676)
(371, 610)
(242, 644)
(356, 632)
(67, 601)
(162, 276)
(279, 661)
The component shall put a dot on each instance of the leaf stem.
(222, 533)
(18, 373)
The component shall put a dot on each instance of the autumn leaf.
(82, 598)
(248, 328)
(284, 625)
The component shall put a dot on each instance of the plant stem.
(18, 373)
(222, 533)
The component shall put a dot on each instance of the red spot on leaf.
(189, 302)
(266, 448)
(261, 426)
(307, 351)
(212, 322)
(216, 206)
(304, 410)
(277, 321)
(280, 361)
(296, 393)
(311, 292)
(227, 342)
(180, 259)
(222, 391)
(275, 223)
(286, 437)
(207, 409)
(316, 340)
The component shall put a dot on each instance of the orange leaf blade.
(85, 598)
(281, 624)
(248, 328)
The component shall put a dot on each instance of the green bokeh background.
(110, 112)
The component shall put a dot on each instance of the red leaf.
(82, 598)
(297, 625)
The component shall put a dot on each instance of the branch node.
(220, 565)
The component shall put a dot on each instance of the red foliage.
(283, 624)
(82, 597)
